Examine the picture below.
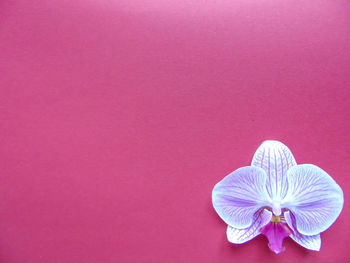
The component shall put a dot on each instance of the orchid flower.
(278, 198)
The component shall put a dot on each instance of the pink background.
(117, 118)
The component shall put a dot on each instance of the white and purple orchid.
(278, 198)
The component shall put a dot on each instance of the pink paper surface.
(117, 118)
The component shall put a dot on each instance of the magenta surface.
(117, 118)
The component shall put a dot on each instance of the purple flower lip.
(278, 198)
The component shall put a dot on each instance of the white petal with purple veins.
(310, 242)
(239, 236)
(275, 158)
(239, 195)
(314, 198)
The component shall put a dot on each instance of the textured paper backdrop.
(118, 117)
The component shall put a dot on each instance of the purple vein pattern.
(310, 242)
(237, 198)
(313, 197)
(239, 236)
(275, 158)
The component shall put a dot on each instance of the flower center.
(275, 219)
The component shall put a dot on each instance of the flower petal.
(275, 158)
(314, 198)
(239, 195)
(239, 236)
(310, 242)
